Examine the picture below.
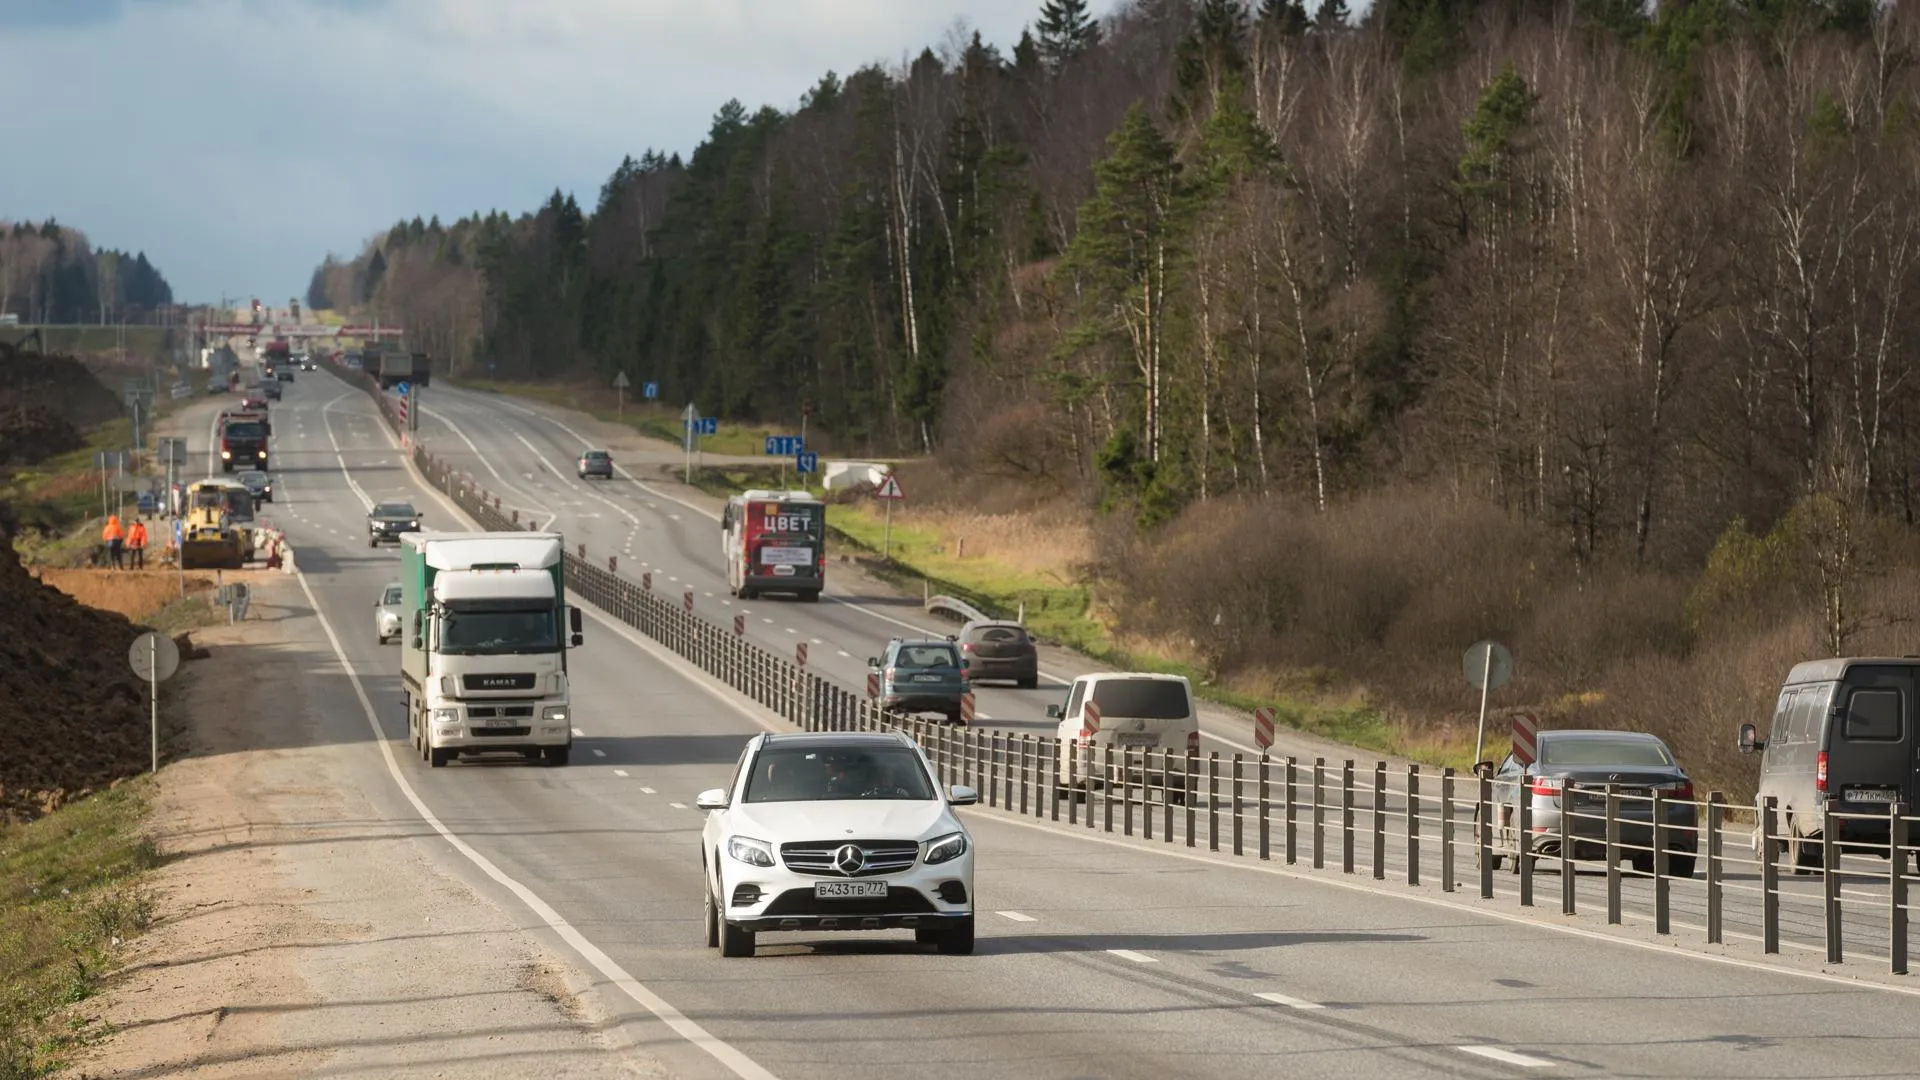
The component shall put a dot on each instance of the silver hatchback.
(1634, 763)
(386, 613)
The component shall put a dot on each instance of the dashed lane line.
(1136, 957)
(619, 772)
(1289, 1002)
(678, 805)
(1015, 916)
(648, 791)
(1506, 1057)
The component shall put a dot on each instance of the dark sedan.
(1635, 764)
(388, 520)
(1001, 650)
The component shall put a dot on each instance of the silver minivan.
(1842, 736)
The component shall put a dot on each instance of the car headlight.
(226, 453)
(446, 716)
(413, 524)
(750, 851)
(554, 714)
(946, 848)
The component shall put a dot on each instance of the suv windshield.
(393, 510)
(815, 773)
(391, 596)
(485, 633)
(1145, 699)
(926, 656)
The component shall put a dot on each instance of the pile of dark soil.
(73, 716)
(30, 434)
(60, 386)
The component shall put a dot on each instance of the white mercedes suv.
(836, 831)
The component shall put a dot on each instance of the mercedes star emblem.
(850, 859)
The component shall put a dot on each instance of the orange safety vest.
(112, 532)
(138, 537)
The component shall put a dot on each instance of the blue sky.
(237, 142)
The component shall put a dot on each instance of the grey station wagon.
(1842, 737)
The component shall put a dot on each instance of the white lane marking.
(616, 507)
(648, 791)
(599, 753)
(769, 622)
(1129, 954)
(578, 734)
(844, 652)
(326, 416)
(1506, 1057)
(1015, 916)
(1289, 1002)
(727, 1055)
(817, 641)
(678, 805)
(619, 772)
(791, 630)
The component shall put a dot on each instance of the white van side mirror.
(1053, 712)
(1750, 739)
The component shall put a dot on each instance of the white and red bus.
(775, 542)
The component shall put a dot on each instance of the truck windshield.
(489, 633)
(245, 431)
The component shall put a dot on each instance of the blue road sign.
(806, 462)
(709, 425)
(651, 390)
(785, 445)
(401, 388)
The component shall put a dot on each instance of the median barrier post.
(1716, 866)
(1319, 813)
(1126, 788)
(1190, 788)
(1346, 817)
(1380, 821)
(1290, 784)
(1237, 780)
(1266, 851)
(1897, 889)
(1569, 873)
(1213, 800)
(1166, 795)
(1446, 830)
(1106, 791)
(1769, 877)
(1613, 854)
(1413, 825)
(1523, 844)
(1073, 781)
(1026, 759)
(1662, 878)
(1830, 880)
(1484, 815)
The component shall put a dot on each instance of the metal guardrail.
(1624, 850)
(957, 608)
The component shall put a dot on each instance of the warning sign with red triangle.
(889, 489)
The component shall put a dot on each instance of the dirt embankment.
(73, 716)
(45, 404)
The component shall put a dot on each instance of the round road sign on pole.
(1487, 665)
(154, 658)
(1263, 726)
(800, 654)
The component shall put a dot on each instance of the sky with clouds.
(237, 142)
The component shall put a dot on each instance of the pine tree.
(1066, 29)
(1289, 17)
(1331, 15)
(1214, 50)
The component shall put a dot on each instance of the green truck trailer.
(485, 629)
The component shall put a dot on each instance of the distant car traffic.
(285, 373)
(386, 613)
(836, 832)
(922, 676)
(147, 504)
(386, 521)
(596, 463)
(258, 484)
(1635, 763)
(272, 391)
(1001, 650)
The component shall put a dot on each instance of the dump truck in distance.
(402, 367)
(243, 440)
(485, 628)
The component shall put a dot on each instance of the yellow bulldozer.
(217, 532)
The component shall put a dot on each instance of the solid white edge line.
(1289, 1002)
(1129, 954)
(735, 1062)
(1015, 916)
(1461, 906)
(1506, 1057)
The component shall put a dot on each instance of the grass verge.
(654, 421)
(70, 897)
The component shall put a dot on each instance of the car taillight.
(1193, 742)
(966, 646)
(1547, 785)
(1820, 772)
(1679, 789)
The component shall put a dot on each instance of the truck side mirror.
(1750, 739)
(578, 640)
(573, 622)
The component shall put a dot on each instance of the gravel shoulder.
(303, 931)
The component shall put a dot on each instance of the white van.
(1138, 714)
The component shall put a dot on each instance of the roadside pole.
(1487, 665)
(155, 658)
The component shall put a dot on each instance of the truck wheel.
(735, 942)
(437, 757)
(557, 755)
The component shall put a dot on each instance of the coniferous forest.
(1583, 324)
